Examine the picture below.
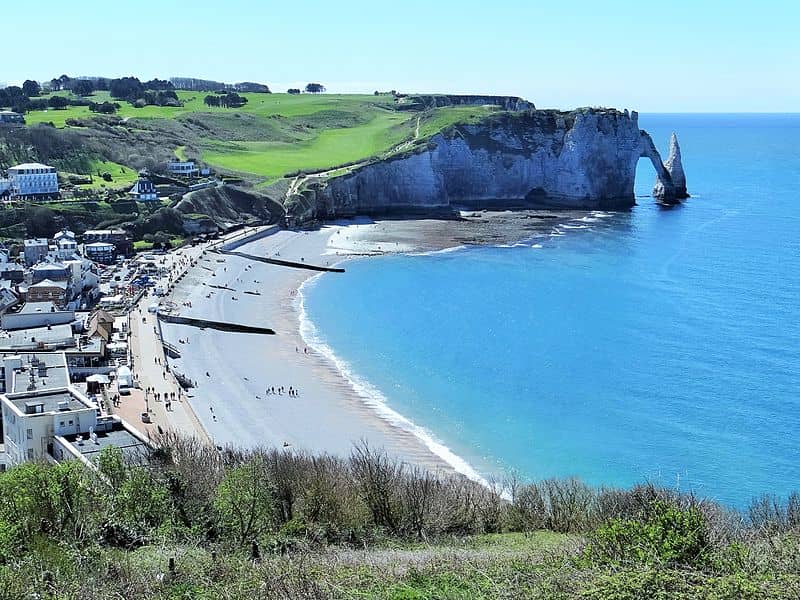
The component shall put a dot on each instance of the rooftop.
(50, 283)
(36, 242)
(31, 166)
(119, 437)
(59, 401)
(40, 372)
(48, 267)
(104, 232)
(30, 308)
(21, 339)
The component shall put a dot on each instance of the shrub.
(666, 535)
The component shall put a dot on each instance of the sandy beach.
(233, 371)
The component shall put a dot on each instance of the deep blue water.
(659, 345)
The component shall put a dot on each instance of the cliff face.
(581, 159)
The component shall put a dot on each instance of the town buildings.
(123, 245)
(144, 190)
(100, 252)
(8, 117)
(35, 249)
(32, 179)
(45, 418)
(183, 168)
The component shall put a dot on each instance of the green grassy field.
(122, 176)
(330, 148)
(277, 134)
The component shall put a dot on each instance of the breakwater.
(218, 325)
(282, 263)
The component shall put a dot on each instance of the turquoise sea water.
(654, 344)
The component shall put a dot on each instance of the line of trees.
(225, 100)
(315, 88)
(207, 85)
(156, 92)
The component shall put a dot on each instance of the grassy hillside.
(189, 521)
(273, 134)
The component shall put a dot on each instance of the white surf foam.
(372, 396)
(433, 252)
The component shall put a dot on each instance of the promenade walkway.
(148, 363)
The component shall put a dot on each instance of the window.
(30, 434)
(30, 453)
(70, 422)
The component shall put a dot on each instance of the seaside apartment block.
(45, 418)
(32, 179)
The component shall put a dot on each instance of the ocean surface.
(651, 345)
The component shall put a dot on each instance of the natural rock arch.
(670, 185)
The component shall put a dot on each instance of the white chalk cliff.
(583, 159)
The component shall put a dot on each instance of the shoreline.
(336, 408)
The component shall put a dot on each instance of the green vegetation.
(330, 148)
(121, 177)
(434, 121)
(272, 135)
(190, 521)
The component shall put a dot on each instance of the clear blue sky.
(674, 56)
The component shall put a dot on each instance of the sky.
(676, 56)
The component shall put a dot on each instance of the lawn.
(262, 105)
(289, 132)
(122, 177)
(440, 118)
(332, 147)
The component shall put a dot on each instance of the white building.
(144, 190)
(32, 179)
(100, 252)
(67, 248)
(184, 168)
(35, 249)
(36, 314)
(45, 418)
(64, 234)
(38, 403)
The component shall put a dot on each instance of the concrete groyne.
(282, 263)
(218, 325)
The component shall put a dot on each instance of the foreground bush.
(192, 521)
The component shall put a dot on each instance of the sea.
(651, 345)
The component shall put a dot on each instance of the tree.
(315, 88)
(55, 84)
(244, 501)
(126, 88)
(293, 91)
(64, 82)
(158, 84)
(83, 87)
(211, 100)
(106, 108)
(58, 102)
(31, 88)
(12, 96)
